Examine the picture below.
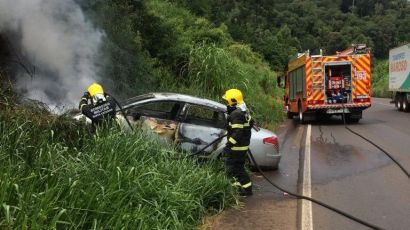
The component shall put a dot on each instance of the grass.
(211, 70)
(380, 81)
(55, 174)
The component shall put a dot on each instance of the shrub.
(55, 175)
(380, 79)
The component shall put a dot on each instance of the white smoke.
(56, 38)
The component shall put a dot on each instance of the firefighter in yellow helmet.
(238, 139)
(96, 104)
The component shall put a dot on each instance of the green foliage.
(380, 79)
(112, 180)
(159, 45)
(313, 25)
(127, 67)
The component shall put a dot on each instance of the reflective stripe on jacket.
(239, 130)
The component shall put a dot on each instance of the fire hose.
(122, 111)
(295, 195)
(292, 194)
(372, 143)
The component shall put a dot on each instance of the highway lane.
(345, 172)
(354, 176)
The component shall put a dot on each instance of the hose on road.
(297, 196)
(374, 144)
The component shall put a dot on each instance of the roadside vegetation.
(55, 174)
(159, 45)
(202, 47)
(380, 79)
(280, 28)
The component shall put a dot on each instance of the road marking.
(307, 220)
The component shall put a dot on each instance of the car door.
(199, 126)
(157, 117)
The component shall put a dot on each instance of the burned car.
(193, 123)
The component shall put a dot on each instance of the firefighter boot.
(246, 191)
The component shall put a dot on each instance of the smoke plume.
(56, 39)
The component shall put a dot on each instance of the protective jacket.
(99, 111)
(239, 130)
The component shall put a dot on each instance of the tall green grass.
(380, 79)
(205, 61)
(54, 174)
(211, 70)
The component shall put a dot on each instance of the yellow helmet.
(233, 97)
(95, 89)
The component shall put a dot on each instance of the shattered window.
(159, 106)
(158, 109)
(201, 115)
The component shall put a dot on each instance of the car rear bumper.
(269, 161)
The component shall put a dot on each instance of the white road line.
(307, 220)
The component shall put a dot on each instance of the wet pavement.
(346, 172)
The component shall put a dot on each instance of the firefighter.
(97, 105)
(239, 135)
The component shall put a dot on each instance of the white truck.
(399, 76)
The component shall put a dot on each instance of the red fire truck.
(318, 86)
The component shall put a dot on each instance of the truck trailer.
(399, 76)
(319, 86)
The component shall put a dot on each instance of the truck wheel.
(400, 108)
(406, 103)
(301, 115)
(289, 115)
(352, 120)
(397, 102)
(354, 117)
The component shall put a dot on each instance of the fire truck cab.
(318, 86)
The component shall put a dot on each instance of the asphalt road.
(325, 161)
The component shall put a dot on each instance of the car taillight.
(272, 141)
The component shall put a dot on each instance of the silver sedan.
(193, 123)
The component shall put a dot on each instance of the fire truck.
(319, 86)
